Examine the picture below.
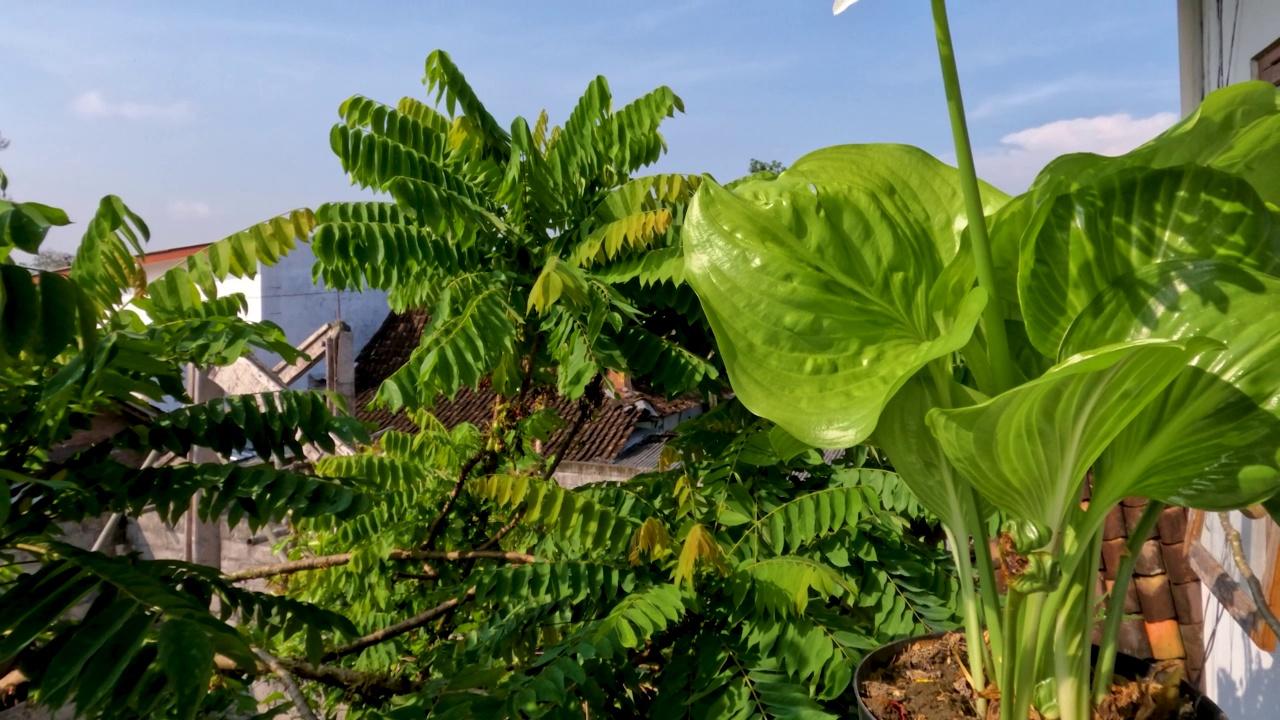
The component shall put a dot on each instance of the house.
(1225, 41)
(311, 317)
(285, 294)
(621, 439)
(1222, 42)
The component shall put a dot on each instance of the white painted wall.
(1255, 25)
(290, 299)
(1242, 679)
(285, 295)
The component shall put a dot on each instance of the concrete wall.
(1208, 56)
(291, 300)
(238, 547)
(572, 474)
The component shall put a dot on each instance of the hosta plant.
(1118, 321)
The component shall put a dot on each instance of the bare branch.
(291, 688)
(502, 532)
(399, 628)
(362, 683)
(438, 524)
(586, 409)
(328, 561)
(1250, 579)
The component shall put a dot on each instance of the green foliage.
(122, 637)
(824, 292)
(1136, 292)
(746, 577)
(1174, 450)
(273, 424)
(1027, 450)
(784, 568)
(139, 613)
(513, 240)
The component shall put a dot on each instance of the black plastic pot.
(1127, 666)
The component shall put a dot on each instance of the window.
(1267, 64)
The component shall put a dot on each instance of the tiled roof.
(601, 439)
(1163, 608)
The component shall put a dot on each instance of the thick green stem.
(993, 315)
(1072, 621)
(1009, 670)
(972, 623)
(1022, 641)
(972, 619)
(1115, 604)
(987, 587)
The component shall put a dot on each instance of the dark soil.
(929, 680)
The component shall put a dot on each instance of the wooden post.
(203, 539)
(340, 366)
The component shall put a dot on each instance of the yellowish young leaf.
(699, 546)
(652, 539)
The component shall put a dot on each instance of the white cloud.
(1022, 154)
(189, 210)
(94, 104)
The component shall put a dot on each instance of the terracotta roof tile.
(1164, 594)
(601, 439)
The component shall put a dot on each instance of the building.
(1225, 41)
(621, 439)
(286, 295)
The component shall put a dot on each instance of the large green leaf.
(1085, 239)
(1209, 440)
(1235, 130)
(917, 455)
(927, 186)
(1027, 449)
(819, 291)
(186, 654)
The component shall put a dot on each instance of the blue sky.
(208, 117)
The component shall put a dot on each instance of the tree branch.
(1250, 579)
(399, 628)
(291, 688)
(502, 532)
(362, 683)
(328, 561)
(586, 410)
(438, 524)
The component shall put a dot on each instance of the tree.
(443, 572)
(759, 166)
(749, 576)
(481, 587)
(532, 247)
(72, 352)
(50, 260)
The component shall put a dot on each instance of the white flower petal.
(841, 5)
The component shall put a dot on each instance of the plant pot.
(1127, 666)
